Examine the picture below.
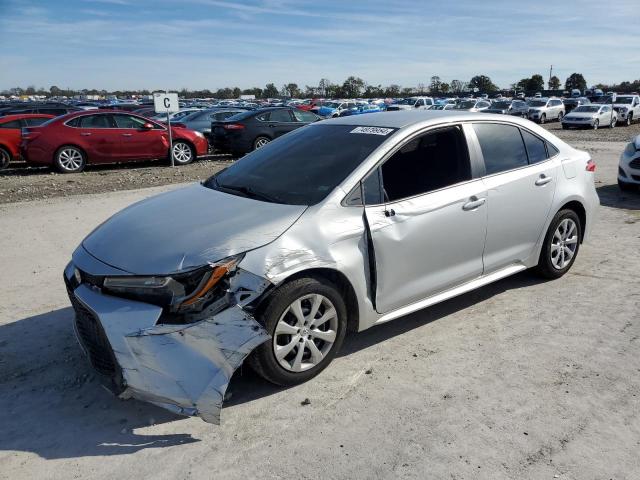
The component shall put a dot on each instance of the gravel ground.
(522, 379)
(21, 183)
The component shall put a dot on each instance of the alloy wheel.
(305, 333)
(261, 142)
(596, 124)
(182, 152)
(564, 243)
(70, 159)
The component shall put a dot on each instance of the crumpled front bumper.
(184, 368)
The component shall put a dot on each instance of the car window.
(536, 150)
(372, 191)
(302, 116)
(553, 151)
(95, 121)
(502, 147)
(280, 116)
(11, 124)
(127, 121)
(428, 162)
(302, 167)
(34, 122)
(224, 115)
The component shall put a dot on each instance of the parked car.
(361, 109)
(629, 166)
(251, 130)
(201, 121)
(542, 110)
(422, 103)
(43, 109)
(627, 107)
(518, 108)
(125, 107)
(334, 109)
(11, 134)
(472, 105)
(590, 116)
(443, 106)
(308, 105)
(175, 116)
(571, 103)
(147, 112)
(72, 141)
(337, 226)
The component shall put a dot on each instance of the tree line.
(352, 87)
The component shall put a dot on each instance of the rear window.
(11, 124)
(302, 167)
(502, 147)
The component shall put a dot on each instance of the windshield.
(625, 100)
(465, 105)
(587, 108)
(302, 167)
(501, 105)
(538, 103)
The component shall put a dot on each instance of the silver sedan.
(590, 116)
(337, 226)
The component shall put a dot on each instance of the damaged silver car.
(335, 227)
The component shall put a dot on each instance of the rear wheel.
(5, 158)
(561, 245)
(307, 321)
(70, 159)
(260, 142)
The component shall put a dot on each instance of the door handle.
(127, 134)
(474, 203)
(543, 180)
(85, 134)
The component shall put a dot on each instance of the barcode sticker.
(372, 130)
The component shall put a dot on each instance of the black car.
(571, 103)
(247, 131)
(125, 107)
(518, 108)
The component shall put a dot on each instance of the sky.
(197, 44)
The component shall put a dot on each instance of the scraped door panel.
(427, 244)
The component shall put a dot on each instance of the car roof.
(405, 118)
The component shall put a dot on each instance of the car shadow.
(612, 196)
(53, 404)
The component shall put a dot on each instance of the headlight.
(630, 149)
(184, 292)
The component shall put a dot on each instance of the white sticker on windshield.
(372, 130)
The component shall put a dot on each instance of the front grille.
(635, 164)
(96, 344)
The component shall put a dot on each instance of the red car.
(10, 134)
(72, 141)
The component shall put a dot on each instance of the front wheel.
(560, 115)
(561, 245)
(543, 119)
(596, 124)
(183, 153)
(624, 186)
(614, 120)
(70, 159)
(307, 320)
(5, 158)
(629, 119)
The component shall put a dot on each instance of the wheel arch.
(577, 207)
(188, 142)
(75, 145)
(7, 149)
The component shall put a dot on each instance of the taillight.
(591, 166)
(233, 126)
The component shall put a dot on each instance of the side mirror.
(147, 126)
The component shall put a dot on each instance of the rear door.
(139, 143)
(428, 221)
(520, 180)
(98, 136)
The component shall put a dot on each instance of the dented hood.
(187, 228)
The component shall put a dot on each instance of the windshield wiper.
(248, 192)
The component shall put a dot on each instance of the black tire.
(565, 127)
(5, 158)
(596, 124)
(543, 118)
(624, 186)
(263, 359)
(560, 115)
(629, 120)
(183, 153)
(62, 161)
(545, 267)
(613, 123)
(260, 141)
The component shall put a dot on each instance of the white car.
(422, 103)
(628, 108)
(590, 116)
(542, 110)
(629, 166)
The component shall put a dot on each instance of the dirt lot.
(522, 379)
(21, 183)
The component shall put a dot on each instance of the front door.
(428, 225)
(139, 143)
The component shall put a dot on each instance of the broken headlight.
(181, 293)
